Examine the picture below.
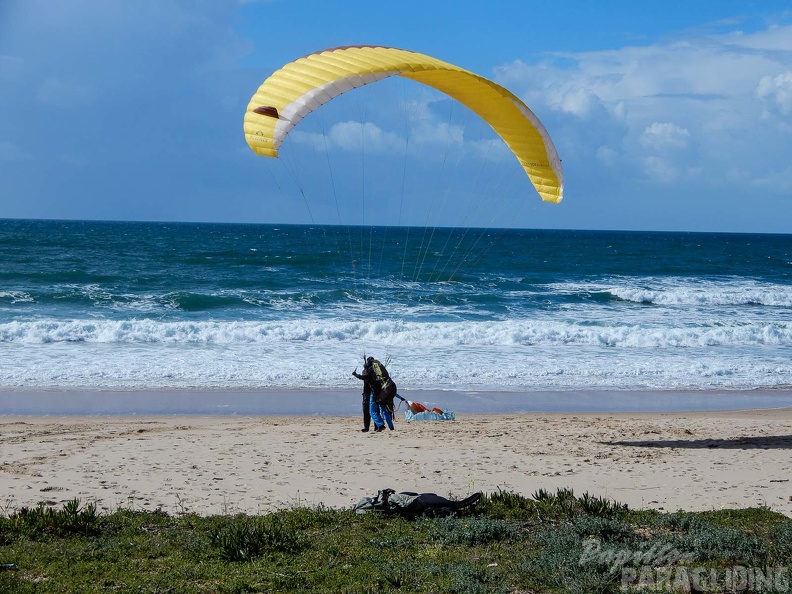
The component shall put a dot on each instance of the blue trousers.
(378, 413)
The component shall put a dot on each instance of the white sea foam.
(686, 291)
(15, 297)
(319, 365)
(446, 334)
(463, 355)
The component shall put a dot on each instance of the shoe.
(365, 430)
(378, 429)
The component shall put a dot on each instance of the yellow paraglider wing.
(301, 86)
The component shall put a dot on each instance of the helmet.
(370, 360)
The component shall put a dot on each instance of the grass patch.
(243, 538)
(72, 518)
(546, 542)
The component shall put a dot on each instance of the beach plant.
(72, 518)
(600, 506)
(781, 542)
(554, 564)
(758, 520)
(605, 529)
(244, 539)
(708, 543)
(470, 531)
(396, 544)
(397, 576)
(512, 544)
(507, 504)
(564, 503)
(319, 517)
(469, 578)
(10, 581)
(682, 521)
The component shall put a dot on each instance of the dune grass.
(548, 542)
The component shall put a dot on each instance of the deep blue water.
(118, 305)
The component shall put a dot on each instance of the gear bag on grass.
(412, 505)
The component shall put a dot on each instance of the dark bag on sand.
(413, 505)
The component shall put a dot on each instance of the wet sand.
(315, 402)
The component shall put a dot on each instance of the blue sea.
(170, 306)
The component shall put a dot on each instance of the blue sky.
(670, 115)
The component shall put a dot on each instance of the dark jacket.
(377, 376)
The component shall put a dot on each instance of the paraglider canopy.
(301, 86)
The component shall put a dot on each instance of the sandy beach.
(226, 464)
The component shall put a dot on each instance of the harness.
(382, 375)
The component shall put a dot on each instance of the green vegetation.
(549, 542)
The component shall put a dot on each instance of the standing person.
(384, 389)
(367, 390)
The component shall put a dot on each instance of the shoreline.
(347, 402)
(219, 464)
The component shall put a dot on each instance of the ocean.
(121, 306)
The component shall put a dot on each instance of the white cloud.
(665, 136)
(358, 136)
(580, 102)
(774, 38)
(776, 93)
(463, 137)
(693, 106)
(660, 169)
(426, 128)
(352, 136)
(442, 133)
(426, 133)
